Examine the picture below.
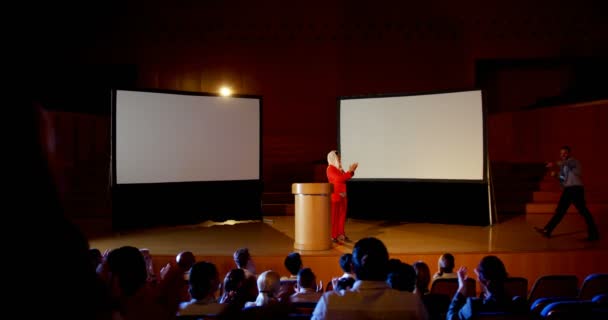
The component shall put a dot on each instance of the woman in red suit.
(337, 177)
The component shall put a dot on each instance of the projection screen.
(416, 137)
(171, 137)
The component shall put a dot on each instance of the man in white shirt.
(371, 297)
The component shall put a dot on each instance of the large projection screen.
(174, 137)
(434, 137)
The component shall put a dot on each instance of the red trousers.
(338, 217)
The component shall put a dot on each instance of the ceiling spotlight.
(225, 91)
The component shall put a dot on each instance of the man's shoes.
(543, 232)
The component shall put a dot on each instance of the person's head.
(128, 270)
(203, 280)
(370, 259)
(307, 279)
(446, 263)
(564, 152)
(492, 274)
(423, 276)
(269, 282)
(242, 257)
(234, 280)
(346, 262)
(344, 283)
(293, 263)
(402, 277)
(185, 260)
(333, 158)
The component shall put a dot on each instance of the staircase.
(545, 199)
(526, 188)
(514, 185)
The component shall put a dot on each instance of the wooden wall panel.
(537, 135)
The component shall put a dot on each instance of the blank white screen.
(163, 137)
(435, 136)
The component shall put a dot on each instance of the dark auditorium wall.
(300, 56)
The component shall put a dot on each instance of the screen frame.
(484, 178)
(113, 177)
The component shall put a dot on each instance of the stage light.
(225, 91)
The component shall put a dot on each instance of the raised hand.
(462, 277)
(353, 167)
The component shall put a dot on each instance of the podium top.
(311, 188)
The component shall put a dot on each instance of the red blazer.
(338, 178)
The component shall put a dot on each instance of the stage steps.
(545, 199)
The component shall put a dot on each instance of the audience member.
(293, 264)
(491, 274)
(402, 276)
(445, 266)
(423, 278)
(306, 289)
(371, 297)
(204, 281)
(243, 261)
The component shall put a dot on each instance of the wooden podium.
(312, 216)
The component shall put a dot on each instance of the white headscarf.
(332, 159)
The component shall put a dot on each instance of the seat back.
(554, 286)
(303, 307)
(517, 286)
(568, 310)
(593, 285)
(501, 316)
(450, 286)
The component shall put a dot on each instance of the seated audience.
(306, 289)
(243, 261)
(423, 278)
(293, 264)
(446, 267)
(371, 297)
(346, 264)
(402, 276)
(204, 281)
(124, 271)
(234, 284)
(491, 274)
(269, 283)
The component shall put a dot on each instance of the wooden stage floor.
(525, 252)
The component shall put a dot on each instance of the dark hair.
(306, 278)
(203, 279)
(402, 277)
(234, 279)
(423, 276)
(346, 262)
(492, 271)
(293, 263)
(446, 263)
(565, 147)
(128, 265)
(241, 257)
(344, 283)
(370, 259)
